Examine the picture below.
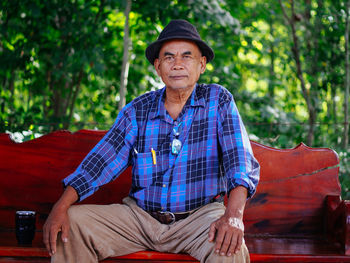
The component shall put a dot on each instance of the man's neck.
(175, 100)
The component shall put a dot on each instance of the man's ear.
(156, 66)
(203, 62)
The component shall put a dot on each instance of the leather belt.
(168, 217)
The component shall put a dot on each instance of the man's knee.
(242, 256)
(76, 215)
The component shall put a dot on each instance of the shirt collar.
(158, 109)
(197, 97)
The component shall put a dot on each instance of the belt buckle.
(173, 219)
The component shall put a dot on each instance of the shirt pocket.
(144, 171)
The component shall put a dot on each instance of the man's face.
(180, 64)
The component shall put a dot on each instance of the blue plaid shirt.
(215, 156)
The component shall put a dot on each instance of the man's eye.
(168, 58)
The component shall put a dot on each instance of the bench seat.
(296, 215)
(262, 249)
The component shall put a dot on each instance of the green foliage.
(344, 172)
(60, 64)
(49, 51)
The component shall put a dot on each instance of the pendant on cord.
(176, 143)
(176, 146)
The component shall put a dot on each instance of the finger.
(46, 238)
(233, 245)
(212, 230)
(220, 235)
(239, 243)
(226, 244)
(64, 234)
(52, 240)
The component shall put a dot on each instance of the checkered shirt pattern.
(215, 156)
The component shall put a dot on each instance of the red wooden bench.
(297, 214)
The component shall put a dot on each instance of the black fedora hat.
(178, 29)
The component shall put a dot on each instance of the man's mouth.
(177, 77)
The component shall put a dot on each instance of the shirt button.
(164, 185)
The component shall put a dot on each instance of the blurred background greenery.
(286, 62)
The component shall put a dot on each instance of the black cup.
(25, 227)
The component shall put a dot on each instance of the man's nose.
(178, 63)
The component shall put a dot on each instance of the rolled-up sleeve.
(108, 159)
(240, 165)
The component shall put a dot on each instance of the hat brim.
(152, 51)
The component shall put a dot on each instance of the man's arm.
(58, 220)
(228, 230)
(242, 172)
(105, 162)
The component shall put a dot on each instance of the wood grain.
(296, 215)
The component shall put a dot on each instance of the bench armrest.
(338, 221)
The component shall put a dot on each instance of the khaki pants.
(101, 231)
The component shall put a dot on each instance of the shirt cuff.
(240, 182)
(67, 182)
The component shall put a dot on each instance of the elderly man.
(188, 148)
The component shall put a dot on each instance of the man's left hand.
(228, 235)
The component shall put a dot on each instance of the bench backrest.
(289, 200)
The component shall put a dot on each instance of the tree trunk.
(347, 80)
(12, 89)
(313, 58)
(272, 75)
(73, 98)
(125, 65)
(334, 111)
(296, 52)
(12, 95)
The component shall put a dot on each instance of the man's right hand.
(58, 220)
